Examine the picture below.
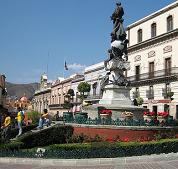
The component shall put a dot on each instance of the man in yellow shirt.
(19, 119)
(44, 119)
(6, 126)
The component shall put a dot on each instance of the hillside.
(20, 89)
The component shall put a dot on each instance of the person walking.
(19, 119)
(6, 126)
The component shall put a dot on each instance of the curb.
(93, 161)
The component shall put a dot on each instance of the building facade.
(42, 96)
(93, 75)
(152, 54)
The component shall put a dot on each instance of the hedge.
(99, 150)
(52, 135)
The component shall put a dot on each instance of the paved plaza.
(163, 161)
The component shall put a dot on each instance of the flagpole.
(63, 67)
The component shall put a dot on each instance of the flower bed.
(149, 116)
(162, 116)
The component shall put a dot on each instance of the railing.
(55, 106)
(154, 75)
(117, 122)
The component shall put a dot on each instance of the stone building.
(93, 75)
(59, 92)
(42, 96)
(154, 63)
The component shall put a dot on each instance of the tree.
(67, 103)
(139, 100)
(83, 87)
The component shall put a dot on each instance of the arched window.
(153, 30)
(139, 35)
(169, 23)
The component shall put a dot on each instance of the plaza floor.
(162, 161)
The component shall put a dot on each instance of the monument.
(115, 87)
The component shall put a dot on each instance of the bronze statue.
(117, 61)
(118, 32)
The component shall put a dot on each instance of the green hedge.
(52, 135)
(112, 150)
(95, 150)
(11, 146)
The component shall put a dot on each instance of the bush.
(14, 131)
(16, 145)
(34, 116)
(53, 135)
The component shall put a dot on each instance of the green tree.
(83, 88)
(139, 100)
(67, 103)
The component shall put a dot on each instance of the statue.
(117, 60)
(118, 29)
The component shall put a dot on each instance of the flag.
(65, 66)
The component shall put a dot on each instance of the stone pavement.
(163, 161)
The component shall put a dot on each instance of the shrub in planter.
(53, 135)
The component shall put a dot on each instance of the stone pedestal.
(117, 99)
(116, 96)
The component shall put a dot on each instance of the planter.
(105, 116)
(68, 116)
(129, 117)
(162, 119)
(81, 117)
(148, 118)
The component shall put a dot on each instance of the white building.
(93, 75)
(153, 55)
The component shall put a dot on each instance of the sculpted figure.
(118, 29)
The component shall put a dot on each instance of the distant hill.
(18, 90)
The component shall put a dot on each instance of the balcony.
(163, 75)
(55, 106)
(150, 94)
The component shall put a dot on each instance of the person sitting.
(6, 126)
(44, 119)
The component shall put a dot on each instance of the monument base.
(117, 99)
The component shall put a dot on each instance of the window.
(137, 72)
(167, 66)
(150, 93)
(153, 30)
(94, 88)
(139, 35)
(151, 69)
(169, 23)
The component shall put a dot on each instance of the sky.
(38, 36)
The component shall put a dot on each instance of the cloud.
(76, 67)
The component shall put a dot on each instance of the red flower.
(149, 113)
(126, 139)
(163, 114)
(105, 111)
